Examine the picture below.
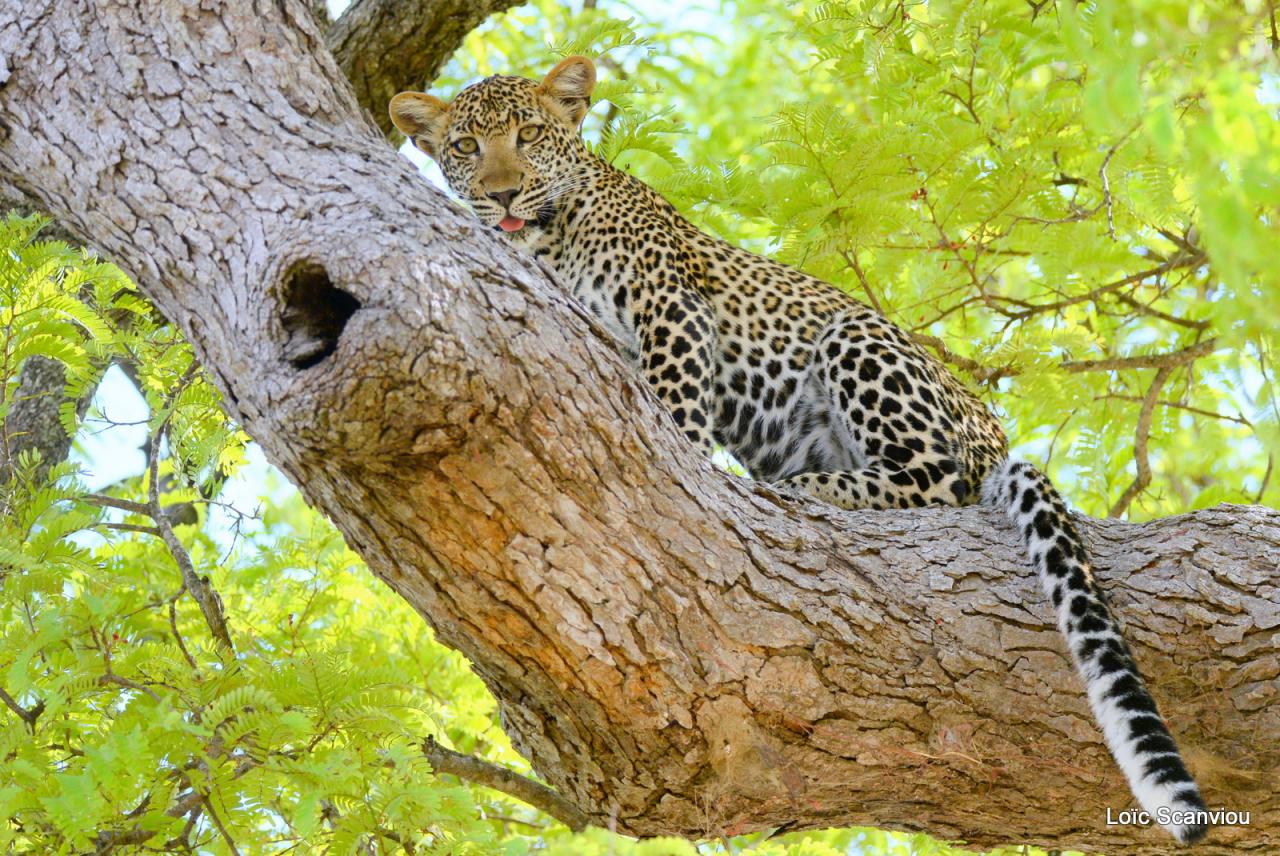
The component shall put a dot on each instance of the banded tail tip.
(1189, 833)
(1184, 815)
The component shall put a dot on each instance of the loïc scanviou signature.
(1165, 815)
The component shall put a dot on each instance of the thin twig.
(1078, 214)
(217, 822)
(1114, 285)
(27, 716)
(933, 248)
(1106, 182)
(1140, 436)
(122, 504)
(113, 678)
(852, 260)
(981, 373)
(1199, 411)
(1143, 309)
(131, 527)
(1266, 479)
(173, 624)
(1185, 242)
(205, 597)
(1170, 359)
(1048, 458)
(986, 374)
(108, 840)
(1036, 7)
(481, 772)
(506, 818)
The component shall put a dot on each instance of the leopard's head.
(508, 146)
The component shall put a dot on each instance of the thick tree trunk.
(676, 650)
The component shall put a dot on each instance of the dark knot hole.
(315, 312)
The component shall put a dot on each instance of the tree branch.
(1106, 182)
(481, 772)
(851, 258)
(29, 716)
(131, 527)
(1031, 309)
(201, 591)
(987, 374)
(387, 46)
(1140, 436)
(1169, 359)
(121, 504)
(984, 374)
(113, 678)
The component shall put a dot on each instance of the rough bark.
(32, 424)
(675, 649)
(387, 46)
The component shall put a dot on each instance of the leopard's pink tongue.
(511, 224)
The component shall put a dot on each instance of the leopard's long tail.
(1136, 734)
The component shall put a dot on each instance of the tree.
(674, 649)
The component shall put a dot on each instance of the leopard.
(810, 389)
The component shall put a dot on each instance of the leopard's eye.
(466, 146)
(529, 133)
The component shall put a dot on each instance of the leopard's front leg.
(676, 329)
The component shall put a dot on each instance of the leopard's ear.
(568, 88)
(420, 117)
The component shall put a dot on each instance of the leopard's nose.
(504, 197)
